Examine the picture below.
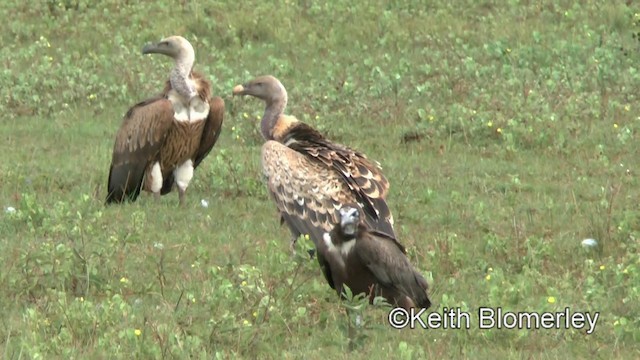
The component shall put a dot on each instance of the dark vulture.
(371, 262)
(308, 176)
(163, 139)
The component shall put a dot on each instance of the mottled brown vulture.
(371, 262)
(308, 176)
(163, 139)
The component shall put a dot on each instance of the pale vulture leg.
(156, 180)
(183, 175)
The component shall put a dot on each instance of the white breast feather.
(346, 247)
(184, 111)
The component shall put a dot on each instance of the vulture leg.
(155, 183)
(183, 175)
(181, 192)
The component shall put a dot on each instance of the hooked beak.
(155, 48)
(239, 90)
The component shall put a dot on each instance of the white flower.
(204, 203)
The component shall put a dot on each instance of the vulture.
(163, 139)
(308, 176)
(371, 262)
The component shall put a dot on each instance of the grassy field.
(508, 131)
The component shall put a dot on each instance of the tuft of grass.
(508, 132)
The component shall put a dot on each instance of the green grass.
(507, 130)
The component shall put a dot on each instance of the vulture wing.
(138, 141)
(385, 258)
(211, 129)
(369, 187)
(307, 193)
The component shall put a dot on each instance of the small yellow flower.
(499, 130)
(625, 271)
(551, 300)
(255, 314)
(602, 267)
(306, 236)
(137, 332)
(124, 280)
(246, 323)
(615, 126)
(245, 115)
(317, 117)
(508, 50)
(490, 124)
(488, 277)
(243, 283)
(627, 108)
(431, 118)
(81, 299)
(490, 269)
(233, 128)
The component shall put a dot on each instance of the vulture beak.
(157, 48)
(149, 48)
(239, 90)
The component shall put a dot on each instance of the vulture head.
(349, 220)
(175, 47)
(182, 52)
(266, 88)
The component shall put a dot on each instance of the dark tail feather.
(120, 191)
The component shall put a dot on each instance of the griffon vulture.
(164, 138)
(308, 176)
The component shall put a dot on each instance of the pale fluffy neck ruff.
(274, 108)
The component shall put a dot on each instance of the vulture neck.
(181, 75)
(272, 113)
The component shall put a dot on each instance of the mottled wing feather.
(138, 141)
(363, 178)
(303, 189)
(307, 194)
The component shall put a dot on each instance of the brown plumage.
(308, 176)
(163, 139)
(371, 262)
